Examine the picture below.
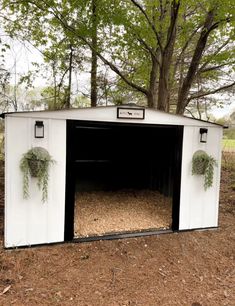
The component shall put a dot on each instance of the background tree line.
(172, 55)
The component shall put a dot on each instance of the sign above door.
(130, 113)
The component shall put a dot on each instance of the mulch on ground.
(189, 268)
(107, 212)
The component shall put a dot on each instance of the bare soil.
(107, 212)
(188, 268)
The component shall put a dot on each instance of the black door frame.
(70, 178)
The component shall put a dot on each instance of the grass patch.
(228, 144)
(228, 161)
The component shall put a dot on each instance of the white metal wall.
(199, 208)
(30, 221)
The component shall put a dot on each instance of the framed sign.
(130, 113)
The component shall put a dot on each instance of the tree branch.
(214, 54)
(172, 28)
(67, 27)
(196, 58)
(149, 22)
(187, 110)
(187, 44)
(200, 95)
(114, 68)
(216, 67)
(148, 48)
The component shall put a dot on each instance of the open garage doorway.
(122, 179)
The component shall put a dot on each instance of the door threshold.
(121, 235)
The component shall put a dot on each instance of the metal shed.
(135, 134)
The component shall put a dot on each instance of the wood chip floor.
(102, 212)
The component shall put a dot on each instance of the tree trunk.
(15, 105)
(68, 91)
(152, 92)
(54, 105)
(166, 58)
(94, 55)
(151, 99)
(200, 47)
(163, 88)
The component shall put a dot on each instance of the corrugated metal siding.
(30, 221)
(199, 208)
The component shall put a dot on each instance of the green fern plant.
(1, 147)
(203, 164)
(36, 163)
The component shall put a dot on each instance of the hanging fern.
(209, 174)
(25, 169)
(203, 164)
(36, 163)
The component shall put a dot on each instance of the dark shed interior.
(109, 157)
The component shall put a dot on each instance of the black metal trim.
(177, 178)
(69, 185)
(122, 235)
(110, 237)
(91, 127)
(92, 161)
(100, 124)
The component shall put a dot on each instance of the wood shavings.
(106, 212)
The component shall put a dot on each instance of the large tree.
(172, 52)
(4, 78)
(63, 53)
(177, 51)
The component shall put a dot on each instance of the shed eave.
(40, 113)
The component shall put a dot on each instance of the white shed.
(150, 148)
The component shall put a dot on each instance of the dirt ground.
(107, 212)
(187, 268)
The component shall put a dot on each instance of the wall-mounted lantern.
(203, 135)
(39, 129)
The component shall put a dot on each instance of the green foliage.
(203, 164)
(228, 145)
(209, 173)
(127, 38)
(1, 126)
(52, 99)
(229, 134)
(223, 121)
(4, 76)
(1, 139)
(81, 102)
(228, 161)
(36, 163)
(1, 146)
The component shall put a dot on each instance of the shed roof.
(109, 114)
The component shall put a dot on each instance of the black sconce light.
(203, 135)
(39, 129)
